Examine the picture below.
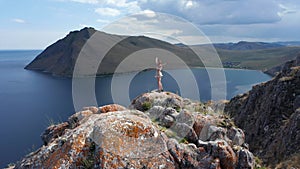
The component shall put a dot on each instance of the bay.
(30, 101)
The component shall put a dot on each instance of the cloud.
(161, 26)
(218, 11)
(103, 21)
(107, 11)
(148, 13)
(86, 1)
(17, 20)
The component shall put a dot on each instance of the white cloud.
(160, 26)
(86, 1)
(17, 20)
(148, 13)
(107, 11)
(189, 4)
(285, 10)
(218, 11)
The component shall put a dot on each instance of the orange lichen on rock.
(115, 137)
(134, 129)
(111, 108)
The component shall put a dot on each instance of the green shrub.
(146, 105)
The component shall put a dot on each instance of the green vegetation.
(184, 140)
(257, 59)
(146, 105)
(170, 133)
(258, 163)
(89, 161)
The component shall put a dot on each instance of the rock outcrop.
(277, 69)
(270, 116)
(159, 130)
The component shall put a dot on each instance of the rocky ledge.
(158, 130)
(270, 116)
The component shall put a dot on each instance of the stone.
(167, 121)
(221, 150)
(163, 99)
(236, 135)
(110, 140)
(186, 118)
(184, 131)
(245, 159)
(171, 112)
(211, 132)
(93, 109)
(203, 120)
(156, 112)
(187, 156)
(111, 108)
(53, 132)
(159, 137)
(78, 117)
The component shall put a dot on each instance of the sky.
(35, 24)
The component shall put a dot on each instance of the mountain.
(89, 45)
(270, 116)
(289, 43)
(60, 58)
(262, 59)
(160, 130)
(244, 45)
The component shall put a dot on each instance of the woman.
(159, 67)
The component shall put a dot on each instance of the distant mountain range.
(245, 45)
(60, 58)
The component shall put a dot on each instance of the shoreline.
(130, 72)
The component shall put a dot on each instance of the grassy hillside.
(257, 59)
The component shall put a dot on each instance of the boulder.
(112, 136)
(111, 140)
(53, 132)
(111, 108)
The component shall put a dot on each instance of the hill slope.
(262, 59)
(270, 116)
(60, 58)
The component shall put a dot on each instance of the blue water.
(30, 101)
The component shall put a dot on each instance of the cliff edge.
(270, 116)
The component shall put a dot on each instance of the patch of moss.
(258, 163)
(161, 128)
(184, 140)
(177, 108)
(146, 105)
(170, 133)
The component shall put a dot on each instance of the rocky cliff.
(277, 69)
(270, 116)
(158, 130)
